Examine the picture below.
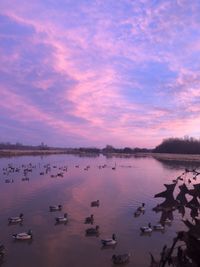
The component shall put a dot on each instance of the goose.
(62, 219)
(89, 219)
(159, 227)
(92, 231)
(120, 259)
(23, 236)
(55, 207)
(95, 203)
(146, 229)
(16, 219)
(110, 241)
(141, 208)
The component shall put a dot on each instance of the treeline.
(19, 146)
(179, 146)
(88, 150)
(170, 145)
(126, 150)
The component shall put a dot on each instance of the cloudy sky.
(97, 72)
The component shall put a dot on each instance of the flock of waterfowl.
(92, 231)
(170, 204)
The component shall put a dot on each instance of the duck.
(23, 236)
(2, 251)
(95, 203)
(8, 181)
(159, 227)
(109, 241)
(55, 207)
(89, 219)
(18, 219)
(146, 229)
(137, 213)
(168, 221)
(120, 259)
(141, 208)
(62, 219)
(92, 231)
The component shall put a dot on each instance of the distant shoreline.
(162, 156)
(18, 152)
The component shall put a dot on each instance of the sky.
(96, 72)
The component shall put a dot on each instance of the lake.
(121, 185)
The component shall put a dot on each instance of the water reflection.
(120, 184)
(178, 164)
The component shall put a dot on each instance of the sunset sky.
(96, 72)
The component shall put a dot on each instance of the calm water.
(120, 191)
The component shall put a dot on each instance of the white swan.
(23, 236)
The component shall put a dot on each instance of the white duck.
(55, 207)
(23, 236)
(62, 219)
(17, 219)
(146, 229)
(110, 241)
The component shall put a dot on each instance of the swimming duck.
(141, 208)
(89, 219)
(159, 227)
(168, 221)
(62, 219)
(110, 241)
(23, 236)
(137, 213)
(16, 219)
(2, 251)
(95, 203)
(55, 207)
(92, 231)
(146, 229)
(120, 259)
